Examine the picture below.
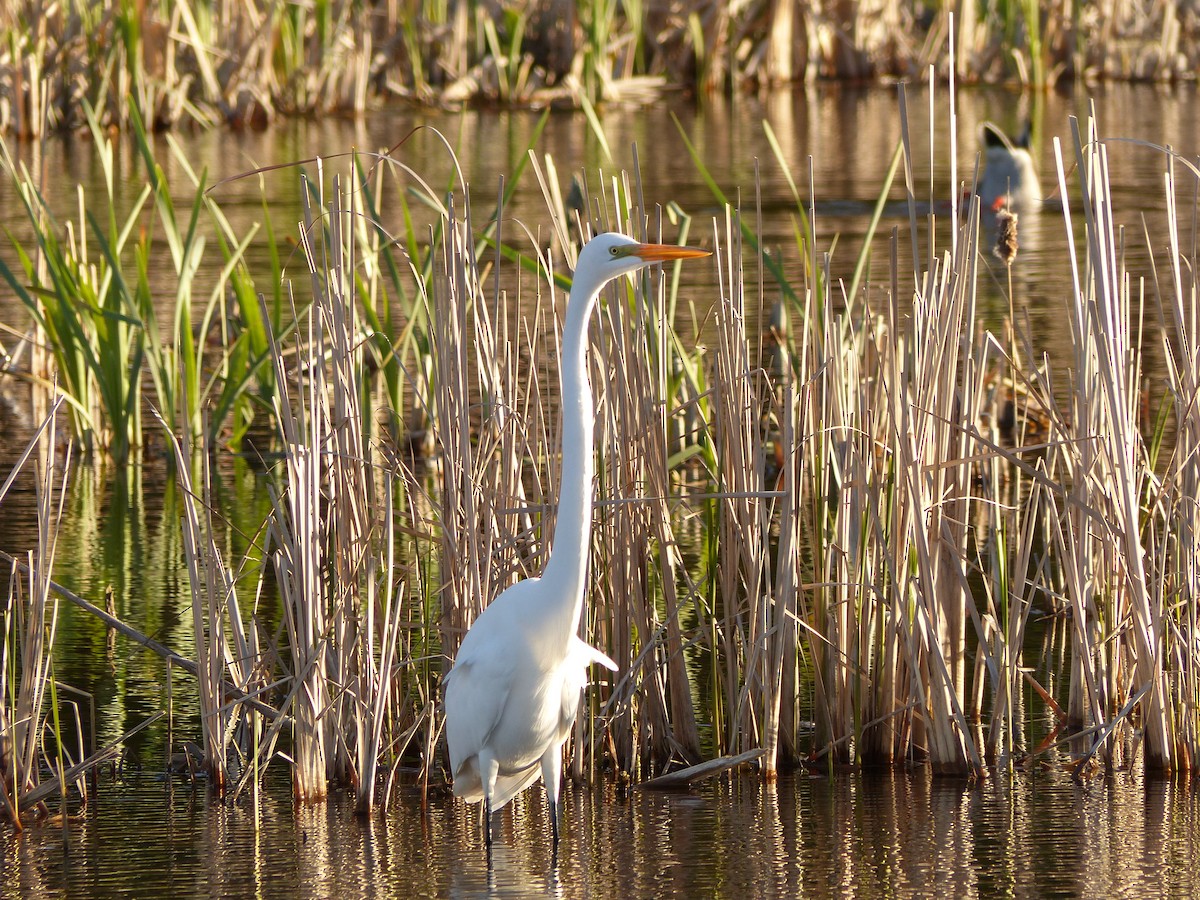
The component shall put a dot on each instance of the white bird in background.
(1009, 178)
(512, 695)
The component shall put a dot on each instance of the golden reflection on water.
(851, 835)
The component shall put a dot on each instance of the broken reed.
(219, 61)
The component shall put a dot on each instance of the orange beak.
(663, 252)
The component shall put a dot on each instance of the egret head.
(608, 255)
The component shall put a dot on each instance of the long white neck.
(567, 566)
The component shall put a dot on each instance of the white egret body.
(512, 695)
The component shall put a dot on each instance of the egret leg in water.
(513, 693)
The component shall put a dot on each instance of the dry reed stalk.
(786, 417)
(332, 526)
(844, 494)
(489, 421)
(874, 539)
(295, 532)
(625, 570)
(653, 309)
(332, 532)
(298, 526)
(641, 561)
(740, 398)
(378, 647)
(934, 395)
(625, 541)
(213, 597)
(780, 687)
(1181, 481)
(1017, 592)
(353, 569)
(933, 625)
(1001, 623)
(462, 572)
(1074, 533)
(1108, 476)
(677, 591)
(24, 729)
(852, 616)
(1011, 520)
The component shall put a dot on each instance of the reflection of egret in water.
(1009, 178)
(514, 865)
(513, 693)
(511, 874)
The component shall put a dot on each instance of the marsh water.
(856, 835)
(1033, 833)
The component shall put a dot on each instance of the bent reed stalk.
(821, 545)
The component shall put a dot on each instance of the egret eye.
(615, 251)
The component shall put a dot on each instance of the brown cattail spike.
(1006, 236)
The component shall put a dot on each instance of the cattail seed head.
(1006, 236)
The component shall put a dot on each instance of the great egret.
(1009, 178)
(512, 695)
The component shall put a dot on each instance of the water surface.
(851, 835)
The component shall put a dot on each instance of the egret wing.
(477, 690)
